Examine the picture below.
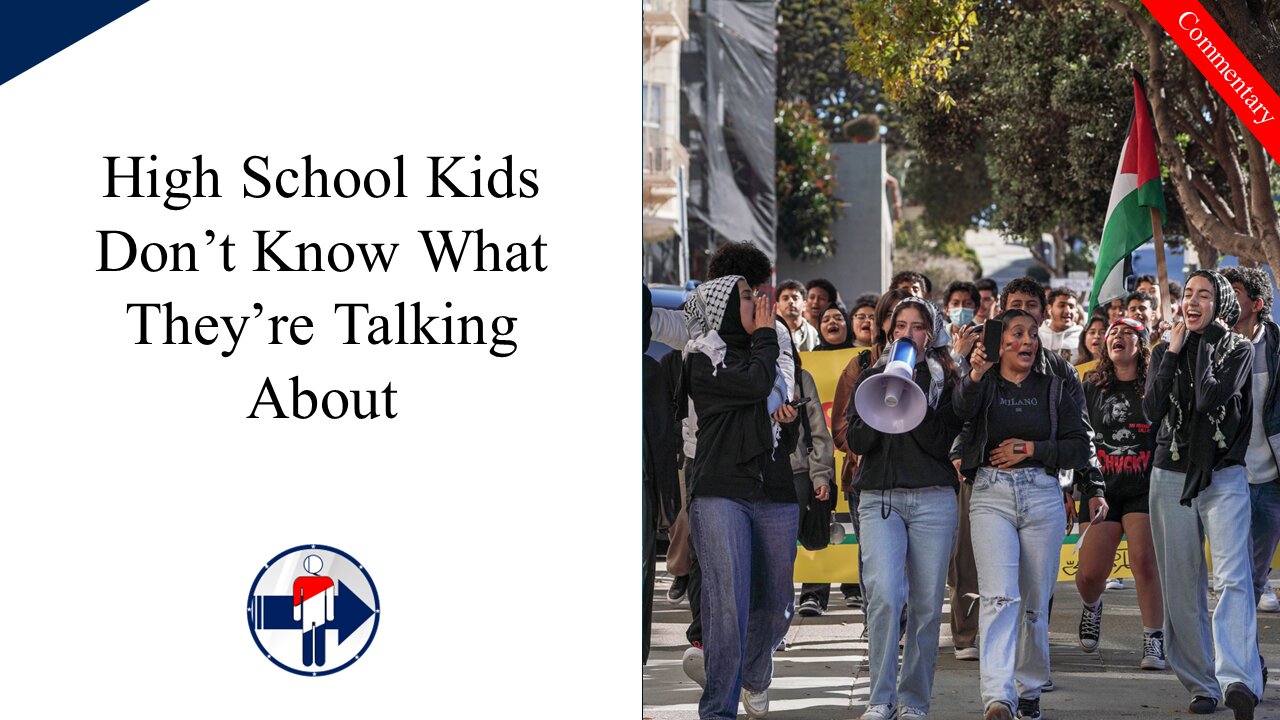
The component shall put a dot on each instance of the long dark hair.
(1103, 374)
(1083, 354)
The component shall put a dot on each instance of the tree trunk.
(1204, 214)
(1060, 252)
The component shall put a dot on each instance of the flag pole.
(1162, 270)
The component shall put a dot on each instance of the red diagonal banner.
(1224, 66)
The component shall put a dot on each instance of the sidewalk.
(822, 674)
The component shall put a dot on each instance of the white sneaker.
(879, 712)
(969, 653)
(1268, 603)
(694, 664)
(1115, 583)
(912, 713)
(755, 703)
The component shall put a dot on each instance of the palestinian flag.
(1136, 189)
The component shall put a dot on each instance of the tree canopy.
(1043, 91)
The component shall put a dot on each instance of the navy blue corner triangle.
(32, 31)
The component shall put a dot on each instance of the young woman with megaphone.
(907, 505)
(1022, 427)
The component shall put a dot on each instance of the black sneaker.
(1240, 700)
(1153, 651)
(810, 607)
(1090, 628)
(1029, 709)
(1202, 705)
(679, 588)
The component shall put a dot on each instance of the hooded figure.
(1201, 394)
(743, 516)
(730, 376)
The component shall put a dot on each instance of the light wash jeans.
(1017, 521)
(918, 535)
(747, 553)
(1207, 660)
(1264, 498)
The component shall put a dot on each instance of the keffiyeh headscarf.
(703, 315)
(941, 339)
(1226, 307)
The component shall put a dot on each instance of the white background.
(498, 515)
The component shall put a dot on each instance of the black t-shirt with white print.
(1125, 440)
(1020, 411)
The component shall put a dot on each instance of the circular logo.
(313, 610)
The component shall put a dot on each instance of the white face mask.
(960, 316)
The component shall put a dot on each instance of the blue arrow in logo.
(275, 612)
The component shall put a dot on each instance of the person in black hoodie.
(743, 513)
(907, 514)
(1198, 393)
(1023, 425)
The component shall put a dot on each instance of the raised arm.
(743, 386)
(1155, 399)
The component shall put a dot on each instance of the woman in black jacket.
(907, 514)
(1199, 395)
(1024, 427)
(743, 514)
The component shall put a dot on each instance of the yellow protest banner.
(839, 563)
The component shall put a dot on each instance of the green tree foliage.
(812, 65)
(910, 44)
(1048, 81)
(806, 184)
(1043, 102)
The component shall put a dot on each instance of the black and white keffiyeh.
(703, 314)
(1226, 307)
(940, 341)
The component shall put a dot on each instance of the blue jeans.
(1264, 499)
(1207, 657)
(918, 535)
(1017, 522)
(747, 551)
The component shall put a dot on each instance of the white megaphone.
(891, 402)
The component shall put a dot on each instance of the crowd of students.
(1166, 435)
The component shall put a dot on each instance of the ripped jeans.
(1017, 522)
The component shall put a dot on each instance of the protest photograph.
(961, 366)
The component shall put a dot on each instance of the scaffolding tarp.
(727, 70)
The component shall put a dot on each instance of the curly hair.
(740, 258)
(1256, 283)
(1024, 286)
(1104, 373)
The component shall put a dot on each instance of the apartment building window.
(654, 142)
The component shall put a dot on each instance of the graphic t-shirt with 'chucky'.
(1125, 440)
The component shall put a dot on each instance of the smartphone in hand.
(992, 335)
